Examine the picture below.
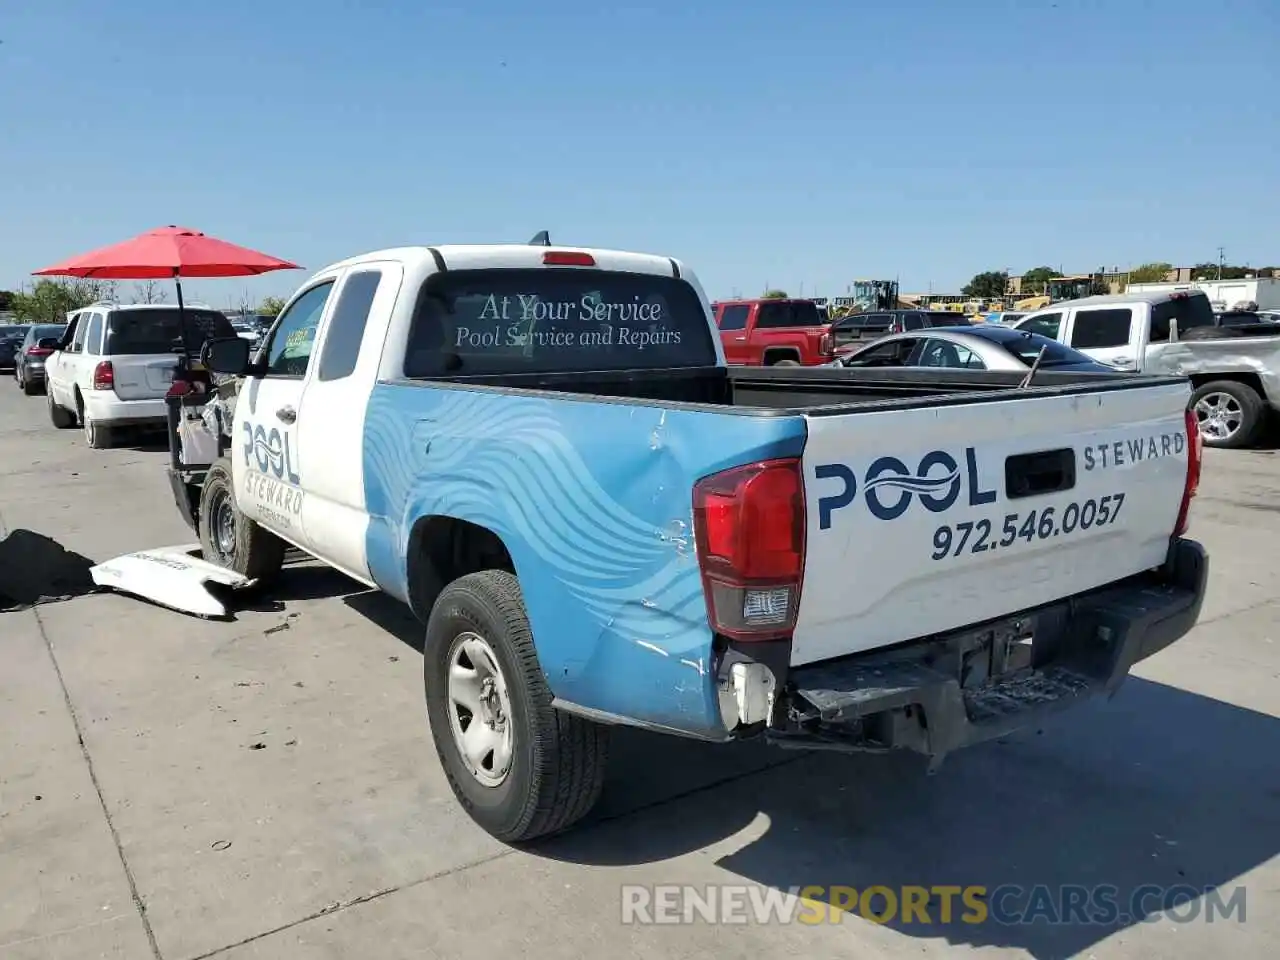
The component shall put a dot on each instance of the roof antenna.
(540, 239)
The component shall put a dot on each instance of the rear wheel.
(96, 435)
(229, 538)
(1230, 413)
(786, 362)
(520, 768)
(29, 388)
(60, 416)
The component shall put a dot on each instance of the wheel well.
(442, 549)
(774, 354)
(1251, 380)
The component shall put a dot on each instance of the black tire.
(60, 416)
(28, 388)
(558, 760)
(1251, 413)
(96, 435)
(248, 548)
(785, 362)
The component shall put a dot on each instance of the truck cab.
(774, 332)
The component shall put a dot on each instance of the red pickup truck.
(791, 333)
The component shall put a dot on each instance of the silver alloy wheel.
(480, 709)
(1219, 415)
(87, 424)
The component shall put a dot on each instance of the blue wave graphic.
(593, 499)
(521, 477)
(914, 484)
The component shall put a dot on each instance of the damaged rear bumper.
(938, 695)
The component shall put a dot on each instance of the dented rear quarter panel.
(593, 500)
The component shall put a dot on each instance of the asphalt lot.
(176, 788)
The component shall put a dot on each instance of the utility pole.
(1221, 262)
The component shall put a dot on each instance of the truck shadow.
(1158, 794)
(37, 569)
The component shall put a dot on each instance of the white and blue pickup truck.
(542, 452)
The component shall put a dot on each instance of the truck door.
(269, 467)
(1108, 334)
(331, 419)
(734, 319)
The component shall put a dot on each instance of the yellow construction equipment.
(1057, 289)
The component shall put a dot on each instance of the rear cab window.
(1189, 311)
(549, 320)
(157, 330)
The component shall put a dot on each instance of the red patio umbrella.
(171, 251)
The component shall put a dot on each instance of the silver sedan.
(978, 347)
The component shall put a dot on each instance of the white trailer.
(1223, 294)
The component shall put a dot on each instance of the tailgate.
(143, 376)
(928, 519)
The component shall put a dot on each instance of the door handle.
(287, 414)
(740, 339)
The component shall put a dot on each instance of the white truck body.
(1235, 373)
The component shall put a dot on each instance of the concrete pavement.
(267, 788)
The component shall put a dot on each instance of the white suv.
(115, 363)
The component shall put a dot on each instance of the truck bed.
(792, 390)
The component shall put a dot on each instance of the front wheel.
(520, 768)
(229, 538)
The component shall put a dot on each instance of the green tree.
(6, 300)
(50, 300)
(271, 307)
(1153, 272)
(1209, 271)
(1033, 280)
(774, 295)
(986, 285)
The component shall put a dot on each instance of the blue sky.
(785, 144)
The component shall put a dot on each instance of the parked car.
(34, 349)
(982, 346)
(11, 335)
(766, 333)
(1235, 370)
(114, 364)
(860, 327)
(541, 451)
(1005, 318)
